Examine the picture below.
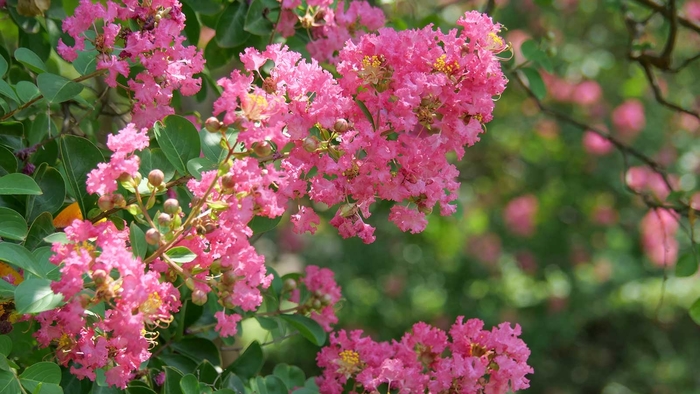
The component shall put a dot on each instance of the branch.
(34, 100)
(666, 12)
(682, 208)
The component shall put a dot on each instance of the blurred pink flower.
(658, 229)
(587, 93)
(520, 214)
(596, 144)
(629, 118)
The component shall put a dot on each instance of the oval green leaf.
(18, 184)
(13, 224)
(179, 140)
(34, 295)
(57, 89)
(307, 327)
(30, 59)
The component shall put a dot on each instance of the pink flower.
(596, 144)
(227, 325)
(408, 219)
(519, 214)
(658, 228)
(587, 93)
(629, 118)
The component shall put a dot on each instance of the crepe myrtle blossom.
(156, 44)
(427, 359)
(382, 131)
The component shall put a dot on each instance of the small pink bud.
(153, 236)
(156, 177)
(212, 125)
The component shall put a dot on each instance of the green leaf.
(139, 387)
(8, 161)
(30, 59)
(7, 91)
(53, 187)
(42, 257)
(9, 383)
(249, 363)
(59, 237)
(695, 311)
(192, 29)
(198, 349)
(152, 159)
(233, 383)
(86, 62)
(57, 89)
(41, 372)
(5, 345)
(206, 372)
(26, 91)
(18, 184)
(181, 254)
(211, 146)
(181, 363)
(257, 18)
(34, 295)
(79, 157)
(270, 385)
(310, 387)
(189, 384)
(307, 327)
(532, 52)
(20, 257)
(172, 381)
(196, 166)
(535, 82)
(39, 230)
(13, 224)
(229, 27)
(261, 224)
(687, 264)
(291, 375)
(3, 66)
(7, 291)
(137, 238)
(365, 111)
(179, 140)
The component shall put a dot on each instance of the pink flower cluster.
(329, 27)
(119, 340)
(643, 179)
(103, 179)
(585, 93)
(322, 295)
(156, 45)
(425, 360)
(383, 130)
(596, 144)
(629, 119)
(658, 229)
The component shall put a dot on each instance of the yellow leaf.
(9, 274)
(66, 216)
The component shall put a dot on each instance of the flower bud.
(326, 299)
(341, 125)
(199, 297)
(310, 144)
(156, 177)
(228, 302)
(118, 200)
(99, 277)
(212, 125)
(316, 304)
(215, 266)
(189, 282)
(227, 181)
(289, 284)
(229, 277)
(124, 177)
(262, 148)
(153, 236)
(105, 202)
(137, 178)
(164, 219)
(171, 206)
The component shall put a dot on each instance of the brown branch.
(651, 78)
(682, 208)
(666, 12)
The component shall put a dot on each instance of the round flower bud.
(212, 125)
(199, 297)
(164, 219)
(316, 304)
(153, 236)
(171, 206)
(341, 126)
(227, 181)
(105, 202)
(262, 148)
(289, 284)
(156, 177)
(136, 178)
(124, 177)
(118, 200)
(326, 299)
(189, 282)
(99, 277)
(310, 144)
